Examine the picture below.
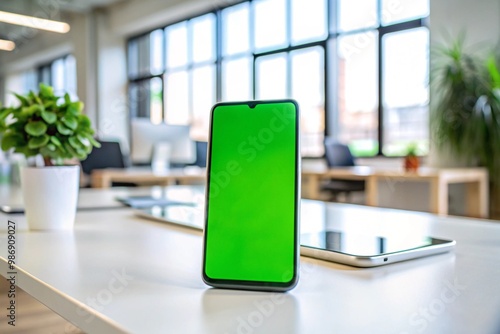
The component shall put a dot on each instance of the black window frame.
(330, 60)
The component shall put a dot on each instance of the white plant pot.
(50, 196)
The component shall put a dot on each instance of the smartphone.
(251, 231)
(367, 250)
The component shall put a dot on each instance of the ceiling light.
(7, 45)
(34, 22)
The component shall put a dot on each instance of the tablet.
(354, 249)
(178, 214)
(368, 250)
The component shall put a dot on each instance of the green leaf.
(75, 143)
(54, 140)
(67, 98)
(4, 113)
(11, 140)
(71, 152)
(49, 117)
(31, 110)
(84, 121)
(75, 108)
(24, 101)
(70, 121)
(49, 105)
(46, 90)
(94, 142)
(36, 128)
(26, 151)
(493, 71)
(37, 142)
(63, 129)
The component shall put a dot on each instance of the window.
(359, 69)
(60, 74)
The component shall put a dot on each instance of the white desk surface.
(118, 273)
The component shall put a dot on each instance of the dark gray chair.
(109, 155)
(339, 155)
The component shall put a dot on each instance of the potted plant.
(53, 127)
(411, 159)
(466, 112)
(466, 106)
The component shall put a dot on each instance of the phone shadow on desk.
(240, 311)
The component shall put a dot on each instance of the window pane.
(203, 30)
(308, 89)
(203, 99)
(177, 98)
(405, 90)
(44, 75)
(270, 24)
(58, 76)
(144, 48)
(237, 79)
(403, 10)
(156, 54)
(358, 93)
(139, 99)
(271, 78)
(235, 29)
(155, 96)
(133, 58)
(145, 99)
(308, 20)
(353, 15)
(70, 73)
(177, 45)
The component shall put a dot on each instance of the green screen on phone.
(252, 196)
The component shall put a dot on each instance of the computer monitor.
(145, 136)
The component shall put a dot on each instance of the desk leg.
(99, 181)
(439, 196)
(477, 199)
(313, 187)
(371, 185)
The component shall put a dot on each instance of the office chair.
(201, 154)
(109, 155)
(339, 155)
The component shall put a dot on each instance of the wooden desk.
(116, 273)
(103, 178)
(476, 180)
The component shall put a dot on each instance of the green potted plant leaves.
(53, 127)
(466, 108)
(466, 112)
